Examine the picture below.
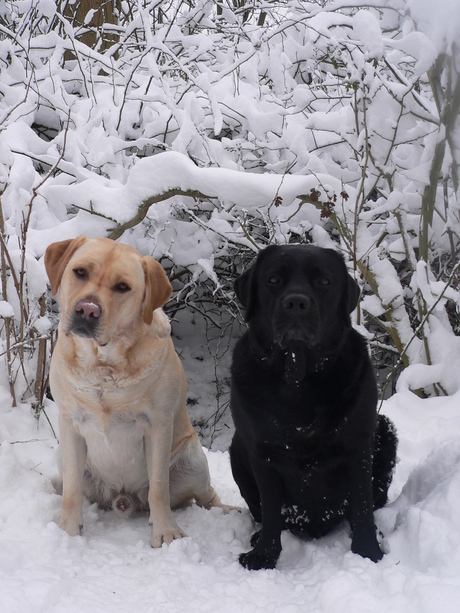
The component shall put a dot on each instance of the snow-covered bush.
(202, 131)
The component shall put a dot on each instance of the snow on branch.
(169, 174)
(202, 132)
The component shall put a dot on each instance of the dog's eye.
(80, 273)
(324, 281)
(122, 288)
(274, 280)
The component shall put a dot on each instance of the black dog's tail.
(385, 446)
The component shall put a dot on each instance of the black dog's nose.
(296, 302)
(87, 309)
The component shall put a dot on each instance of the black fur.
(309, 449)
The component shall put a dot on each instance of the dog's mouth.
(287, 333)
(86, 319)
(84, 332)
(296, 320)
(295, 335)
(83, 329)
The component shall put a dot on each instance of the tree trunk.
(91, 31)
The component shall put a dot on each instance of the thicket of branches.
(355, 97)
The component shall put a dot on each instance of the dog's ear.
(57, 257)
(244, 290)
(158, 289)
(353, 292)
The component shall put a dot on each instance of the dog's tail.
(385, 446)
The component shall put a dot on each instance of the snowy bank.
(112, 567)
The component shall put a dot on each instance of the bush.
(200, 132)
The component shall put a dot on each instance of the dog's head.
(106, 289)
(298, 293)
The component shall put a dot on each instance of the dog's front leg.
(158, 443)
(73, 453)
(267, 549)
(364, 539)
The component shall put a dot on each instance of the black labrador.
(309, 449)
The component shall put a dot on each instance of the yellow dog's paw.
(226, 508)
(72, 527)
(166, 535)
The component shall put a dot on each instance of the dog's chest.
(110, 422)
(115, 446)
(291, 430)
(107, 389)
(113, 438)
(301, 444)
(107, 402)
(288, 421)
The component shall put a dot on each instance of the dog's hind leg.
(189, 479)
(244, 477)
(384, 460)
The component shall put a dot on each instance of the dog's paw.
(215, 501)
(257, 561)
(255, 538)
(367, 549)
(165, 535)
(73, 528)
(227, 508)
(57, 484)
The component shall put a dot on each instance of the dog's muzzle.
(86, 318)
(296, 318)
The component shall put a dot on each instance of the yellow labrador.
(126, 441)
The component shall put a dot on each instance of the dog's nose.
(296, 302)
(87, 309)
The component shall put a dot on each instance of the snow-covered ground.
(112, 567)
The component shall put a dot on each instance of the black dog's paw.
(255, 538)
(257, 561)
(368, 549)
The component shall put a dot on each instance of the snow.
(175, 171)
(272, 121)
(6, 310)
(417, 45)
(367, 30)
(440, 21)
(112, 568)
